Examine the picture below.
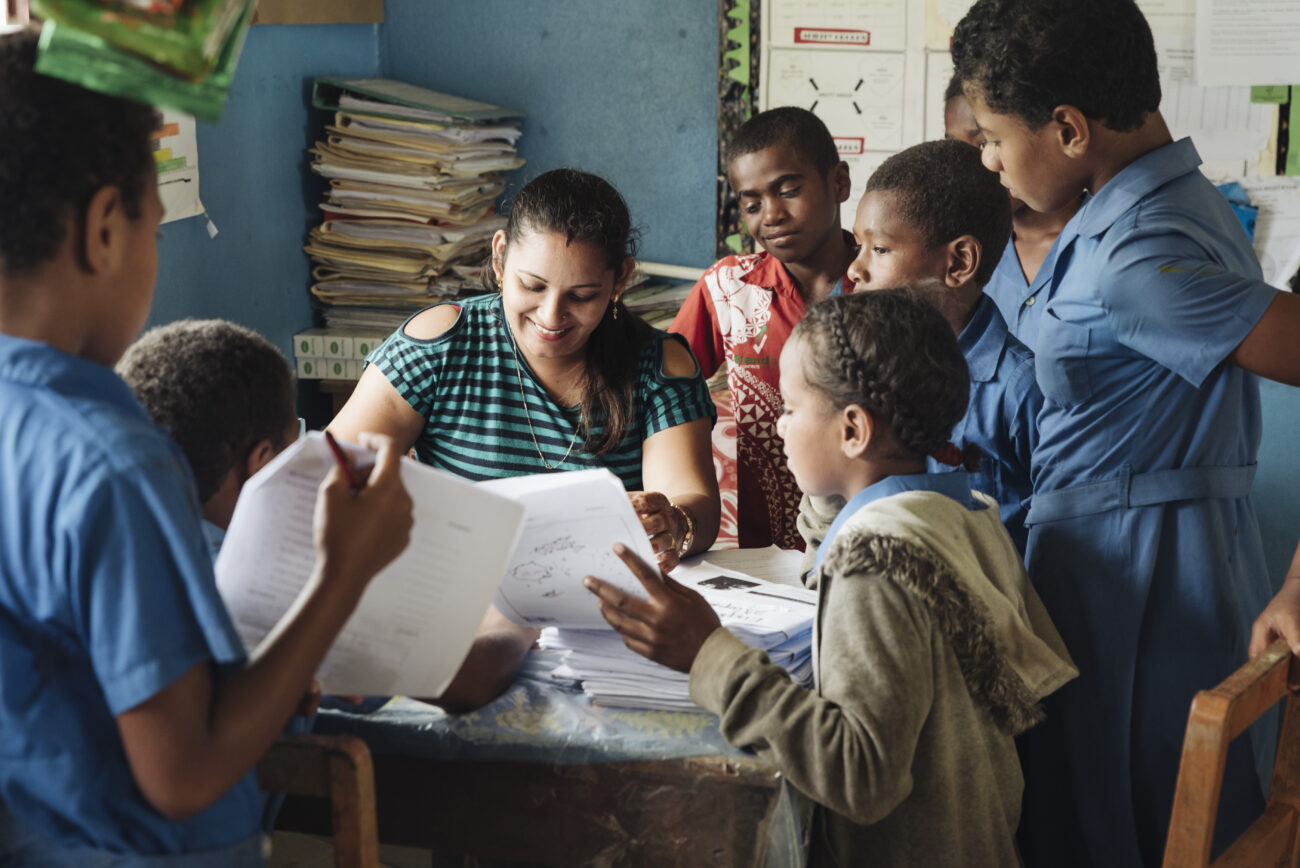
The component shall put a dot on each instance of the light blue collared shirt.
(106, 597)
(1154, 285)
(955, 485)
(1002, 417)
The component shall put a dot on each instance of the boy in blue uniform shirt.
(934, 218)
(1143, 542)
(130, 715)
(1030, 256)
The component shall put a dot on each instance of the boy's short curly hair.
(892, 353)
(1026, 57)
(788, 125)
(943, 189)
(220, 388)
(59, 145)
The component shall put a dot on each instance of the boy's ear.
(840, 182)
(964, 257)
(1073, 132)
(101, 246)
(857, 428)
(258, 457)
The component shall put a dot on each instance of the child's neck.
(1110, 152)
(42, 306)
(816, 276)
(868, 471)
(957, 304)
(1033, 234)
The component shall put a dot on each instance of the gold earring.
(615, 307)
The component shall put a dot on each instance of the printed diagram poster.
(176, 151)
(879, 24)
(859, 95)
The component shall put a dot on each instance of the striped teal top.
(465, 385)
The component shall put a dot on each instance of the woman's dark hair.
(59, 145)
(1026, 57)
(942, 189)
(218, 388)
(586, 209)
(893, 354)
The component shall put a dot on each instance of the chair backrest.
(338, 768)
(1218, 716)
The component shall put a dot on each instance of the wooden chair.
(1218, 716)
(334, 767)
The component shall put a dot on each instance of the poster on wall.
(176, 152)
(878, 24)
(859, 95)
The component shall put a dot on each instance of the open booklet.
(571, 524)
(418, 616)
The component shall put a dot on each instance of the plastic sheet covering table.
(542, 776)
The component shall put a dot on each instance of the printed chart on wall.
(176, 151)
(858, 94)
(876, 24)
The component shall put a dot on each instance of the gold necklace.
(519, 372)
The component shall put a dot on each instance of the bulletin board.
(875, 71)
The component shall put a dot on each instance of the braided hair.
(893, 354)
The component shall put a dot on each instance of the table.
(541, 775)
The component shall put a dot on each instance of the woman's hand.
(669, 628)
(663, 523)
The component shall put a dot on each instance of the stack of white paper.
(775, 617)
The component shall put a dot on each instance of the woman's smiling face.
(554, 292)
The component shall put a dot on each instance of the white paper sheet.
(572, 521)
(771, 564)
(860, 169)
(938, 72)
(1277, 226)
(880, 24)
(418, 616)
(941, 18)
(859, 95)
(1245, 42)
(176, 151)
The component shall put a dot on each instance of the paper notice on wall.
(860, 168)
(938, 72)
(1277, 226)
(941, 18)
(176, 151)
(859, 95)
(1231, 132)
(879, 24)
(1240, 43)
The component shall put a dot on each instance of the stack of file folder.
(777, 618)
(413, 176)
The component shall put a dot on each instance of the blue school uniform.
(1002, 416)
(106, 597)
(1143, 544)
(1021, 301)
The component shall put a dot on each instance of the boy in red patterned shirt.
(784, 166)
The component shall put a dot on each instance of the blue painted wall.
(620, 88)
(627, 90)
(254, 182)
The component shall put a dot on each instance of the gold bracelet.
(689, 537)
